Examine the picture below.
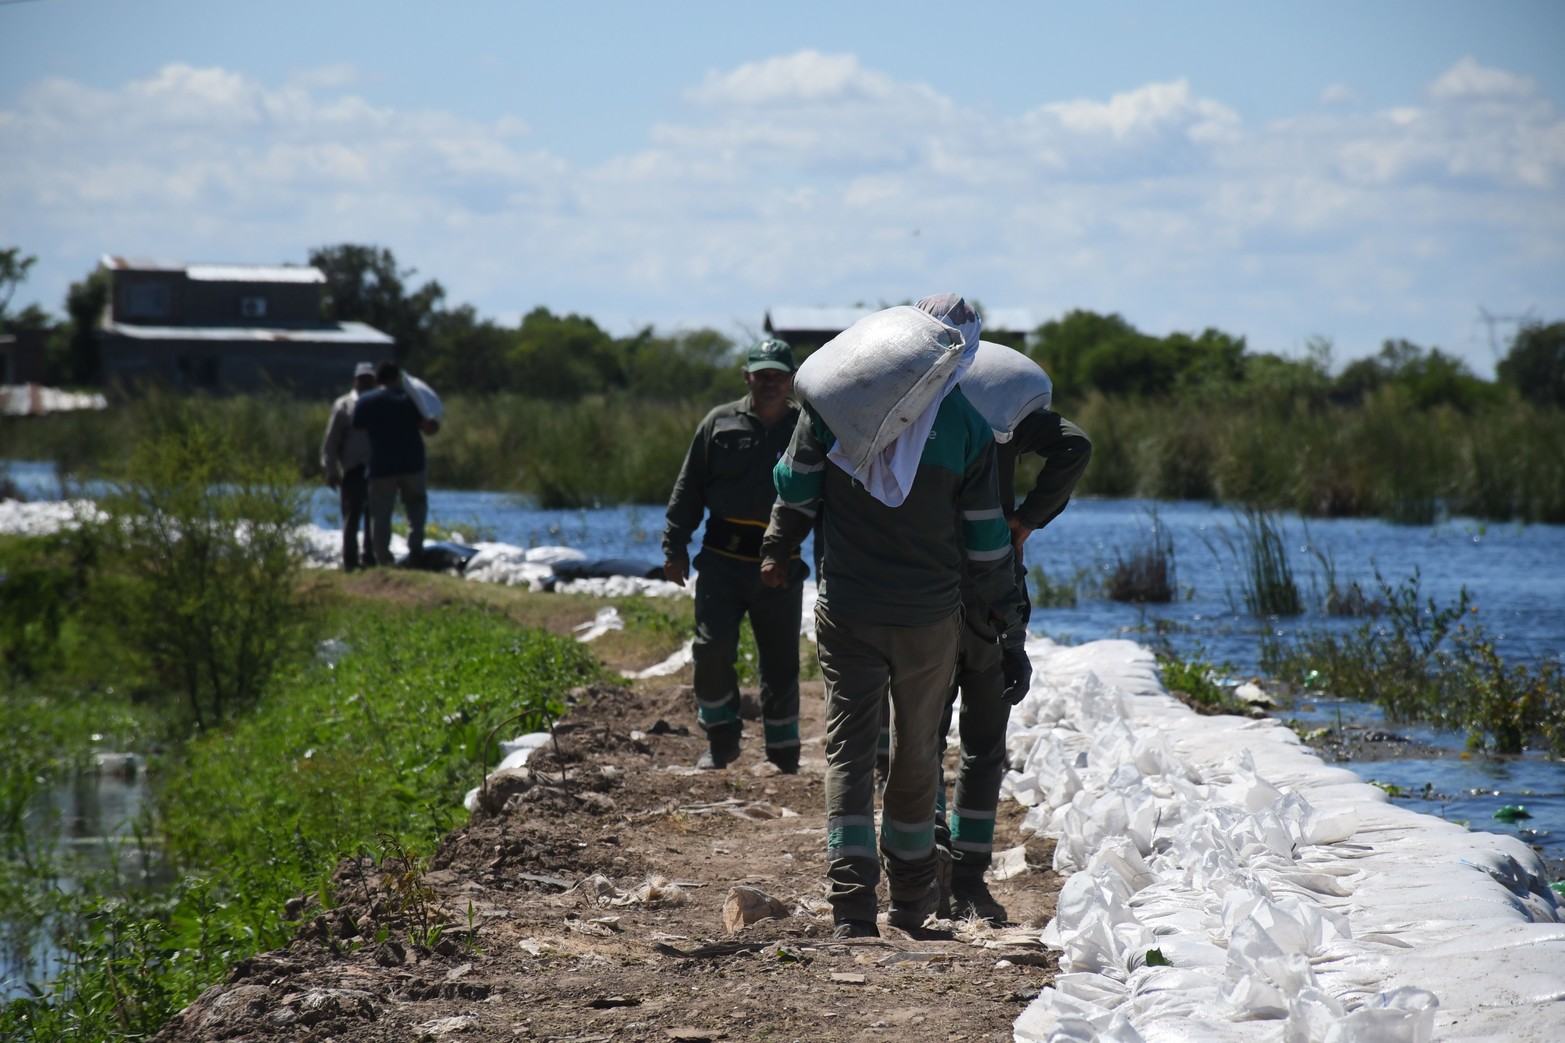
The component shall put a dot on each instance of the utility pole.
(1491, 320)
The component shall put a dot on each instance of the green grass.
(367, 747)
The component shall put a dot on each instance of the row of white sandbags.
(1225, 884)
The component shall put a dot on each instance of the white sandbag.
(424, 398)
(877, 376)
(1005, 386)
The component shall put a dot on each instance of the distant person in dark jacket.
(345, 457)
(396, 432)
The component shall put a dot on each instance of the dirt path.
(589, 906)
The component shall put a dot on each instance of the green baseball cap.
(770, 353)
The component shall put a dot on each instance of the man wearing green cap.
(727, 475)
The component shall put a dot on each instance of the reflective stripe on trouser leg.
(719, 605)
(981, 721)
(775, 618)
(855, 673)
(922, 661)
(972, 833)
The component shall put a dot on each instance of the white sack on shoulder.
(1005, 386)
(424, 398)
(875, 380)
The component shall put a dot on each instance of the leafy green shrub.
(1195, 677)
(43, 585)
(204, 560)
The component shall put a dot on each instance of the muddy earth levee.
(585, 902)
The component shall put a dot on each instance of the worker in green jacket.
(727, 476)
(889, 612)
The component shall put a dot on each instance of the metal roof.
(291, 273)
(255, 273)
(814, 320)
(341, 333)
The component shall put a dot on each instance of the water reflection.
(85, 828)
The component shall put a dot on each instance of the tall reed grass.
(1420, 660)
(1385, 457)
(1148, 576)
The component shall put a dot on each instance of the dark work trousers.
(352, 496)
(726, 590)
(858, 661)
(383, 493)
(984, 714)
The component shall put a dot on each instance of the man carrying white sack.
(1014, 395)
(905, 518)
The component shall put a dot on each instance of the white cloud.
(1338, 94)
(809, 178)
(807, 77)
(1149, 110)
(1468, 79)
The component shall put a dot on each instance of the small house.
(228, 328)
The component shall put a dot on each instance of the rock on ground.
(588, 902)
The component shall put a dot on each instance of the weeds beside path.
(590, 906)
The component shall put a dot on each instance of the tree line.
(567, 357)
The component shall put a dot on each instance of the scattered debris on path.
(607, 891)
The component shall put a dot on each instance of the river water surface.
(1514, 574)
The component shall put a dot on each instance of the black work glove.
(1017, 670)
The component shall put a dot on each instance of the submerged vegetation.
(1423, 661)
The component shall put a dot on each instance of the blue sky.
(1342, 170)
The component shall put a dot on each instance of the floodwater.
(86, 825)
(1514, 574)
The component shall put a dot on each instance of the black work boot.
(722, 747)
(970, 898)
(855, 929)
(785, 757)
(910, 916)
(943, 881)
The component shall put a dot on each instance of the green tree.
(468, 353)
(1429, 377)
(75, 354)
(364, 284)
(696, 366)
(1535, 365)
(13, 272)
(1062, 345)
(564, 357)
